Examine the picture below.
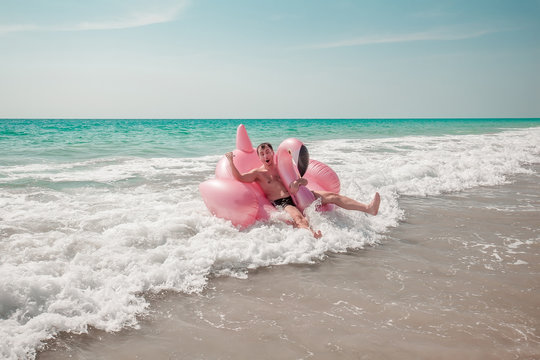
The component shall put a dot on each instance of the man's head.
(266, 153)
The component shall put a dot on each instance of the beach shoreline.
(457, 278)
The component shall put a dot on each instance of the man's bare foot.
(317, 234)
(373, 208)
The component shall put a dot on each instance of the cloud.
(5, 29)
(432, 35)
(130, 20)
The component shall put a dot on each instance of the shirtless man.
(267, 177)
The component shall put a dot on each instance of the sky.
(269, 59)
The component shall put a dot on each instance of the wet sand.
(458, 278)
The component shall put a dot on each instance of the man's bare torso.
(270, 183)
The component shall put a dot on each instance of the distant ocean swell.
(82, 242)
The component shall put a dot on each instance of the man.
(267, 176)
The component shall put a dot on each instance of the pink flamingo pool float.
(245, 203)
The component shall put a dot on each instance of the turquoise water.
(97, 214)
(42, 141)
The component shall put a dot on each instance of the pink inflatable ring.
(245, 203)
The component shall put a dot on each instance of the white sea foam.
(85, 254)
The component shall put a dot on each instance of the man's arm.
(248, 177)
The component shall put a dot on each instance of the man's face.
(266, 155)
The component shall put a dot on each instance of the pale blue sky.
(269, 59)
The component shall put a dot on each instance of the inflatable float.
(245, 203)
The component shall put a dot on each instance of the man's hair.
(264, 146)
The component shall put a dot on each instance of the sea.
(108, 251)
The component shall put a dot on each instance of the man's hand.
(295, 185)
(229, 156)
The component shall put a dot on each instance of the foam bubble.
(421, 166)
(82, 243)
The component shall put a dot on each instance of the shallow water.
(98, 217)
(458, 278)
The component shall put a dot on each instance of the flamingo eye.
(303, 160)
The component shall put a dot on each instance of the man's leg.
(348, 203)
(300, 220)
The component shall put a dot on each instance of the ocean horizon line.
(275, 118)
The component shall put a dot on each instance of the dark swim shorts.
(283, 202)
